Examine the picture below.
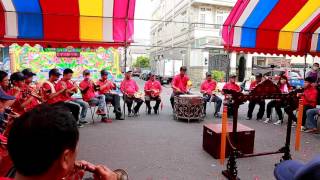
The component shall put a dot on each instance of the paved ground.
(157, 147)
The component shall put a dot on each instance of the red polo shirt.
(19, 100)
(34, 102)
(208, 86)
(64, 96)
(312, 95)
(152, 85)
(47, 91)
(253, 85)
(90, 93)
(108, 86)
(232, 86)
(129, 87)
(181, 82)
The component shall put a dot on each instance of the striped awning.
(67, 22)
(288, 27)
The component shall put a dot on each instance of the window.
(202, 20)
(202, 9)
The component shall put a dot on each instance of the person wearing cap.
(5, 100)
(207, 88)
(31, 89)
(231, 85)
(179, 84)
(18, 90)
(71, 88)
(129, 88)
(87, 88)
(253, 103)
(50, 94)
(152, 89)
(105, 88)
(309, 98)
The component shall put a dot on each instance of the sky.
(142, 28)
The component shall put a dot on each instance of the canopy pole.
(305, 66)
(125, 56)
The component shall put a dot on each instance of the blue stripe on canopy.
(257, 16)
(318, 45)
(30, 23)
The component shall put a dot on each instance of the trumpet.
(121, 174)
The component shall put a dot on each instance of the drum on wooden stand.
(189, 107)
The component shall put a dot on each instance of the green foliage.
(142, 62)
(218, 75)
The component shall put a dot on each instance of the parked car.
(144, 74)
(294, 77)
(136, 72)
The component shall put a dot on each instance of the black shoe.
(217, 115)
(248, 118)
(80, 125)
(149, 111)
(119, 118)
(130, 114)
(155, 110)
(84, 122)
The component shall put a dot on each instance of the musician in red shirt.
(309, 98)
(207, 89)
(32, 89)
(252, 104)
(71, 88)
(87, 88)
(106, 87)
(179, 84)
(50, 95)
(231, 85)
(152, 90)
(129, 88)
(18, 90)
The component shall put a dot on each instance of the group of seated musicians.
(309, 100)
(130, 90)
(28, 95)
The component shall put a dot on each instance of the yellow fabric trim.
(91, 29)
(91, 7)
(286, 33)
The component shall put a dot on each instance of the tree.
(142, 62)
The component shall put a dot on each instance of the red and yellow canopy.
(66, 22)
(274, 26)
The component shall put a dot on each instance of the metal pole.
(305, 66)
(125, 55)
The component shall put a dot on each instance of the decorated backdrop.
(41, 60)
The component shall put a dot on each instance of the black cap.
(86, 72)
(54, 72)
(67, 71)
(104, 72)
(5, 96)
(130, 71)
(17, 76)
(151, 74)
(183, 68)
(28, 73)
(309, 79)
(258, 75)
(208, 74)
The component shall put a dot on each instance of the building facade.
(189, 30)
